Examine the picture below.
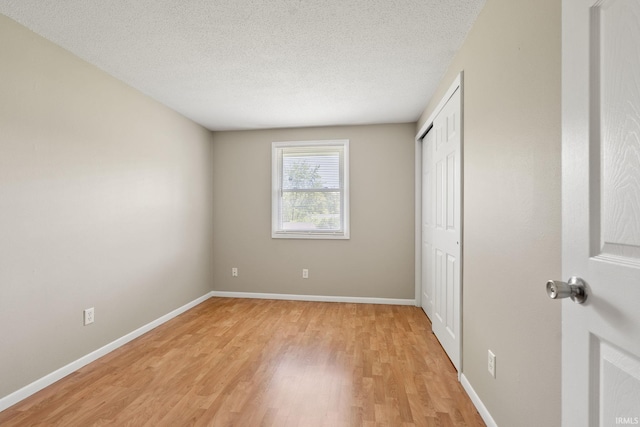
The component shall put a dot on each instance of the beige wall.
(105, 202)
(511, 63)
(378, 259)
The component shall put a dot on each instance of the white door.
(441, 227)
(428, 209)
(601, 211)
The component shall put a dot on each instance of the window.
(310, 186)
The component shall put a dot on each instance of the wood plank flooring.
(238, 362)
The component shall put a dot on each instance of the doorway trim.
(428, 124)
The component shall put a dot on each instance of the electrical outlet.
(491, 363)
(305, 273)
(234, 272)
(89, 316)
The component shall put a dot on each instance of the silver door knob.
(576, 289)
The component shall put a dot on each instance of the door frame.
(427, 125)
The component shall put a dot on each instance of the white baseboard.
(58, 374)
(484, 412)
(317, 298)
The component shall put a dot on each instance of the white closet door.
(441, 226)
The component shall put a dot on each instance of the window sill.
(308, 235)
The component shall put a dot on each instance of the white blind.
(311, 170)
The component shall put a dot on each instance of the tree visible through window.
(310, 189)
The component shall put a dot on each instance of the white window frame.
(276, 191)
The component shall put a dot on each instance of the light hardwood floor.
(237, 362)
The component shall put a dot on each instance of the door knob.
(576, 289)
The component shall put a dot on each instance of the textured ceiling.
(245, 64)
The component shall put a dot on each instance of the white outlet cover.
(491, 363)
(89, 316)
